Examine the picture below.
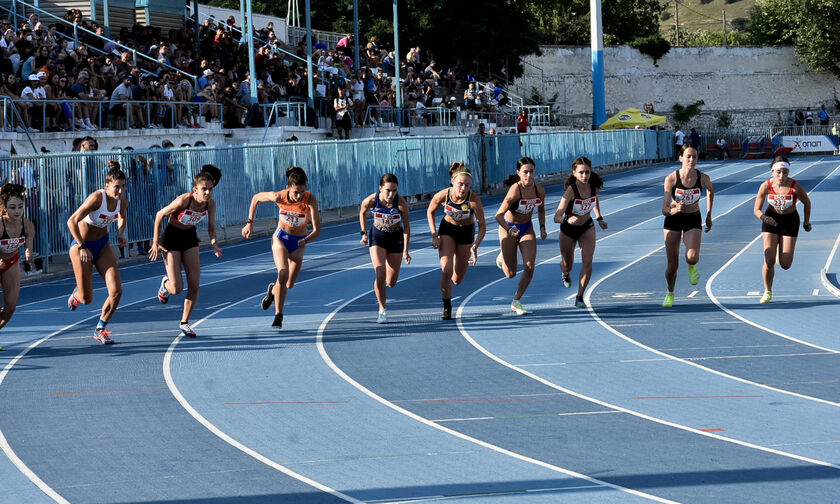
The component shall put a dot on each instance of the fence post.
(46, 246)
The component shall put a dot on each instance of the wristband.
(600, 218)
(362, 232)
(83, 246)
(249, 221)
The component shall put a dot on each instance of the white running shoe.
(500, 261)
(187, 331)
(382, 318)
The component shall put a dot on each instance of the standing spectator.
(823, 116)
(695, 139)
(799, 117)
(522, 121)
(357, 86)
(723, 152)
(470, 96)
(679, 140)
(835, 131)
(342, 105)
(809, 117)
(372, 52)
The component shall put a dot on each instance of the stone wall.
(752, 84)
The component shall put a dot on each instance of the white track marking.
(548, 383)
(322, 350)
(715, 300)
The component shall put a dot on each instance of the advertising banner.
(814, 143)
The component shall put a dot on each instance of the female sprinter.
(780, 223)
(387, 238)
(455, 240)
(179, 246)
(577, 226)
(297, 207)
(17, 231)
(681, 208)
(515, 227)
(89, 228)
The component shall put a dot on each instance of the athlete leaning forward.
(516, 227)
(387, 238)
(455, 239)
(681, 208)
(179, 244)
(297, 208)
(576, 224)
(780, 222)
(18, 231)
(90, 248)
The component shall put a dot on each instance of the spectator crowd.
(64, 82)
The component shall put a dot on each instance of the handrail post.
(75, 36)
(106, 18)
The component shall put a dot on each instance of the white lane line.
(577, 413)
(555, 386)
(824, 272)
(816, 292)
(693, 293)
(430, 423)
(334, 302)
(176, 393)
(752, 293)
(736, 256)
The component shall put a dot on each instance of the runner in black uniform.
(179, 246)
(455, 240)
(681, 208)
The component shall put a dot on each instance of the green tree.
(811, 26)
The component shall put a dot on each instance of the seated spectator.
(372, 53)
(87, 109)
(9, 87)
(33, 93)
(431, 72)
(346, 44)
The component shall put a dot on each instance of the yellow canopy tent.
(630, 118)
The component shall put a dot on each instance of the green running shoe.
(669, 300)
(766, 298)
(693, 274)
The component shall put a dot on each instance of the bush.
(666, 15)
(653, 45)
(683, 114)
(724, 120)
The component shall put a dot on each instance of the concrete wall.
(752, 84)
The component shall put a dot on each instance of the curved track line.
(736, 256)
(322, 350)
(176, 393)
(555, 386)
(824, 272)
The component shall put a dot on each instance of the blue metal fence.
(341, 173)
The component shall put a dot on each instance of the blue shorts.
(290, 241)
(523, 228)
(95, 247)
(392, 241)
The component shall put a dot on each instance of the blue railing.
(341, 173)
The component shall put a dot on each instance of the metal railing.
(435, 116)
(330, 39)
(153, 112)
(75, 38)
(341, 173)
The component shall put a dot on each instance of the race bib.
(10, 245)
(583, 206)
(107, 219)
(386, 220)
(458, 213)
(190, 218)
(292, 218)
(528, 205)
(780, 201)
(687, 196)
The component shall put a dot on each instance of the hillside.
(699, 15)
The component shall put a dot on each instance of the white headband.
(778, 165)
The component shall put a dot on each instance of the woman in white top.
(89, 228)
(357, 87)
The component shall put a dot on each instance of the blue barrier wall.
(341, 173)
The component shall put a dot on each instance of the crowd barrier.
(341, 173)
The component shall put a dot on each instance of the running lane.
(431, 371)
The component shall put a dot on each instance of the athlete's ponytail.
(208, 172)
(296, 176)
(583, 160)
